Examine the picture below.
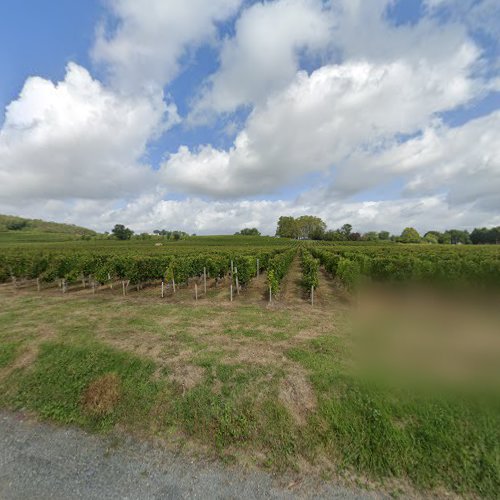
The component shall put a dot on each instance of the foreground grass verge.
(270, 387)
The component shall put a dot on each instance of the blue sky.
(40, 38)
(212, 117)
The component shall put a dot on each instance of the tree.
(304, 227)
(287, 227)
(121, 232)
(253, 231)
(444, 239)
(430, 238)
(478, 235)
(410, 235)
(458, 236)
(311, 227)
(318, 233)
(384, 235)
(495, 235)
(436, 234)
(332, 235)
(345, 230)
(371, 236)
(483, 235)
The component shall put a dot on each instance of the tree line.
(309, 227)
(314, 228)
(120, 232)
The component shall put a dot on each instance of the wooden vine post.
(258, 268)
(270, 294)
(231, 285)
(162, 293)
(237, 282)
(205, 280)
(196, 292)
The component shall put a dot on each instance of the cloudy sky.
(210, 116)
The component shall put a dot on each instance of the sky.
(209, 117)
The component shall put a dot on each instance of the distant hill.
(13, 228)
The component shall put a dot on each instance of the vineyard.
(252, 346)
(239, 260)
(449, 266)
(98, 265)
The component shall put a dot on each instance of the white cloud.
(320, 120)
(150, 212)
(464, 161)
(74, 150)
(77, 139)
(461, 162)
(202, 217)
(150, 39)
(263, 55)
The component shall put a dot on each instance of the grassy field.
(13, 228)
(275, 386)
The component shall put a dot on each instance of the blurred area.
(435, 339)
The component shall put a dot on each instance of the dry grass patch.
(102, 395)
(186, 376)
(296, 393)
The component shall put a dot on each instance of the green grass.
(8, 353)
(236, 406)
(30, 231)
(431, 437)
(440, 438)
(10, 238)
(53, 387)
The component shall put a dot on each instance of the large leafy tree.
(287, 227)
(121, 232)
(483, 235)
(346, 231)
(410, 235)
(305, 226)
(311, 227)
(458, 236)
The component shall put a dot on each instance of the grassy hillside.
(13, 228)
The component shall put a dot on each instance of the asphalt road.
(43, 461)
